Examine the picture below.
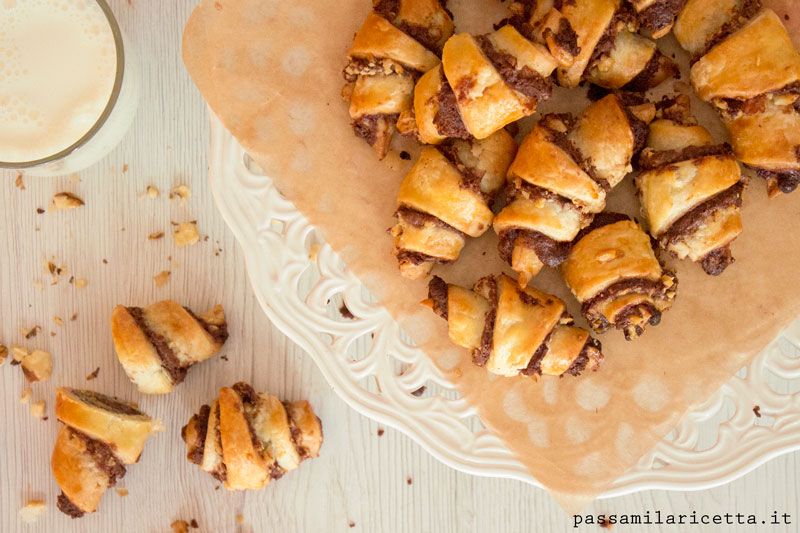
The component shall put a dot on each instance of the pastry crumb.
(64, 200)
(74, 317)
(32, 511)
(75, 178)
(122, 492)
(25, 396)
(240, 518)
(757, 411)
(19, 183)
(380, 432)
(36, 365)
(155, 236)
(194, 524)
(351, 524)
(151, 191)
(180, 526)
(29, 333)
(409, 481)
(3, 354)
(181, 192)
(93, 375)
(80, 283)
(38, 410)
(161, 278)
(124, 168)
(58, 320)
(186, 234)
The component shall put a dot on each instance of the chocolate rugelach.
(560, 177)
(690, 188)
(549, 344)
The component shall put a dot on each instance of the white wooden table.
(361, 478)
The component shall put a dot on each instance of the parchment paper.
(271, 70)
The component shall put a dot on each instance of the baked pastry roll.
(559, 180)
(158, 344)
(100, 436)
(246, 439)
(611, 54)
(615, 275)
(512, 330)
(445, 198)
(496, 78)
(657, 16)
(398, 42)
(690, 188)
(746, 66)
(541, 22)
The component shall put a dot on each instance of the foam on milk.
(57, 69)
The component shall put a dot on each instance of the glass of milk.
(69, 84)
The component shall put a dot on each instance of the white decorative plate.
(301, 284)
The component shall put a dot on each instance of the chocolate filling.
(295, 434)
(660, 14)
(447, 119)
(471, 177)
(361, 66)
(67, 507)
(626, 316)
(520, 21)
(716, 261)
(249, 397)
(437, 292)
(368, 127)
(639, 128)
(169, 361)
(221, 473)
(419, 219)
(482, 354)
(218, 332)
(102, 455)
(652, 159)
(599, 323)
(107, 403)
(549, 251)
(523, 80)
(788, 180)
(757, 104)
(675, 109)
(427, 37)
(534, 367)
(690, 222)
(417, 258)
(607, 41)
(748, 10)
(565, 37)
(580, 362)
(647, 78)
(201, 425)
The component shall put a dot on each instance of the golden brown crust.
(757, 59)
(250, 438)
(76, 473)
(156, 345)
(700, 19)
(629, 56)
(589, 19)
(378, 38)
(769, 139)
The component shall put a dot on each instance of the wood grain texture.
(359, 477)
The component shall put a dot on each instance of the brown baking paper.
(271, 71)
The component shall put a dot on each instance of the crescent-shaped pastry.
(746, 66)
(657, 16)
(559, 180)
(399, 41)
(445, 198)
(157, 345)
(614, 273)
(100, 436)
(245, 439)
(512, 330)
(690, 188)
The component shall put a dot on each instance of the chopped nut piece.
(240, 518)
(186, 234)
(63, 201)
(3, 354)
(73, 317)
(58, 320)
(25, 396)
(194, 524)
(161, 278)
(36, 365)
(182, 192)
(30, 333)
(93, 375)
(32, 511)
(80, 283)
(155, 236)
(152, 191)
(39, 210)
(180, 526)
(38, 410)
(122, 492)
